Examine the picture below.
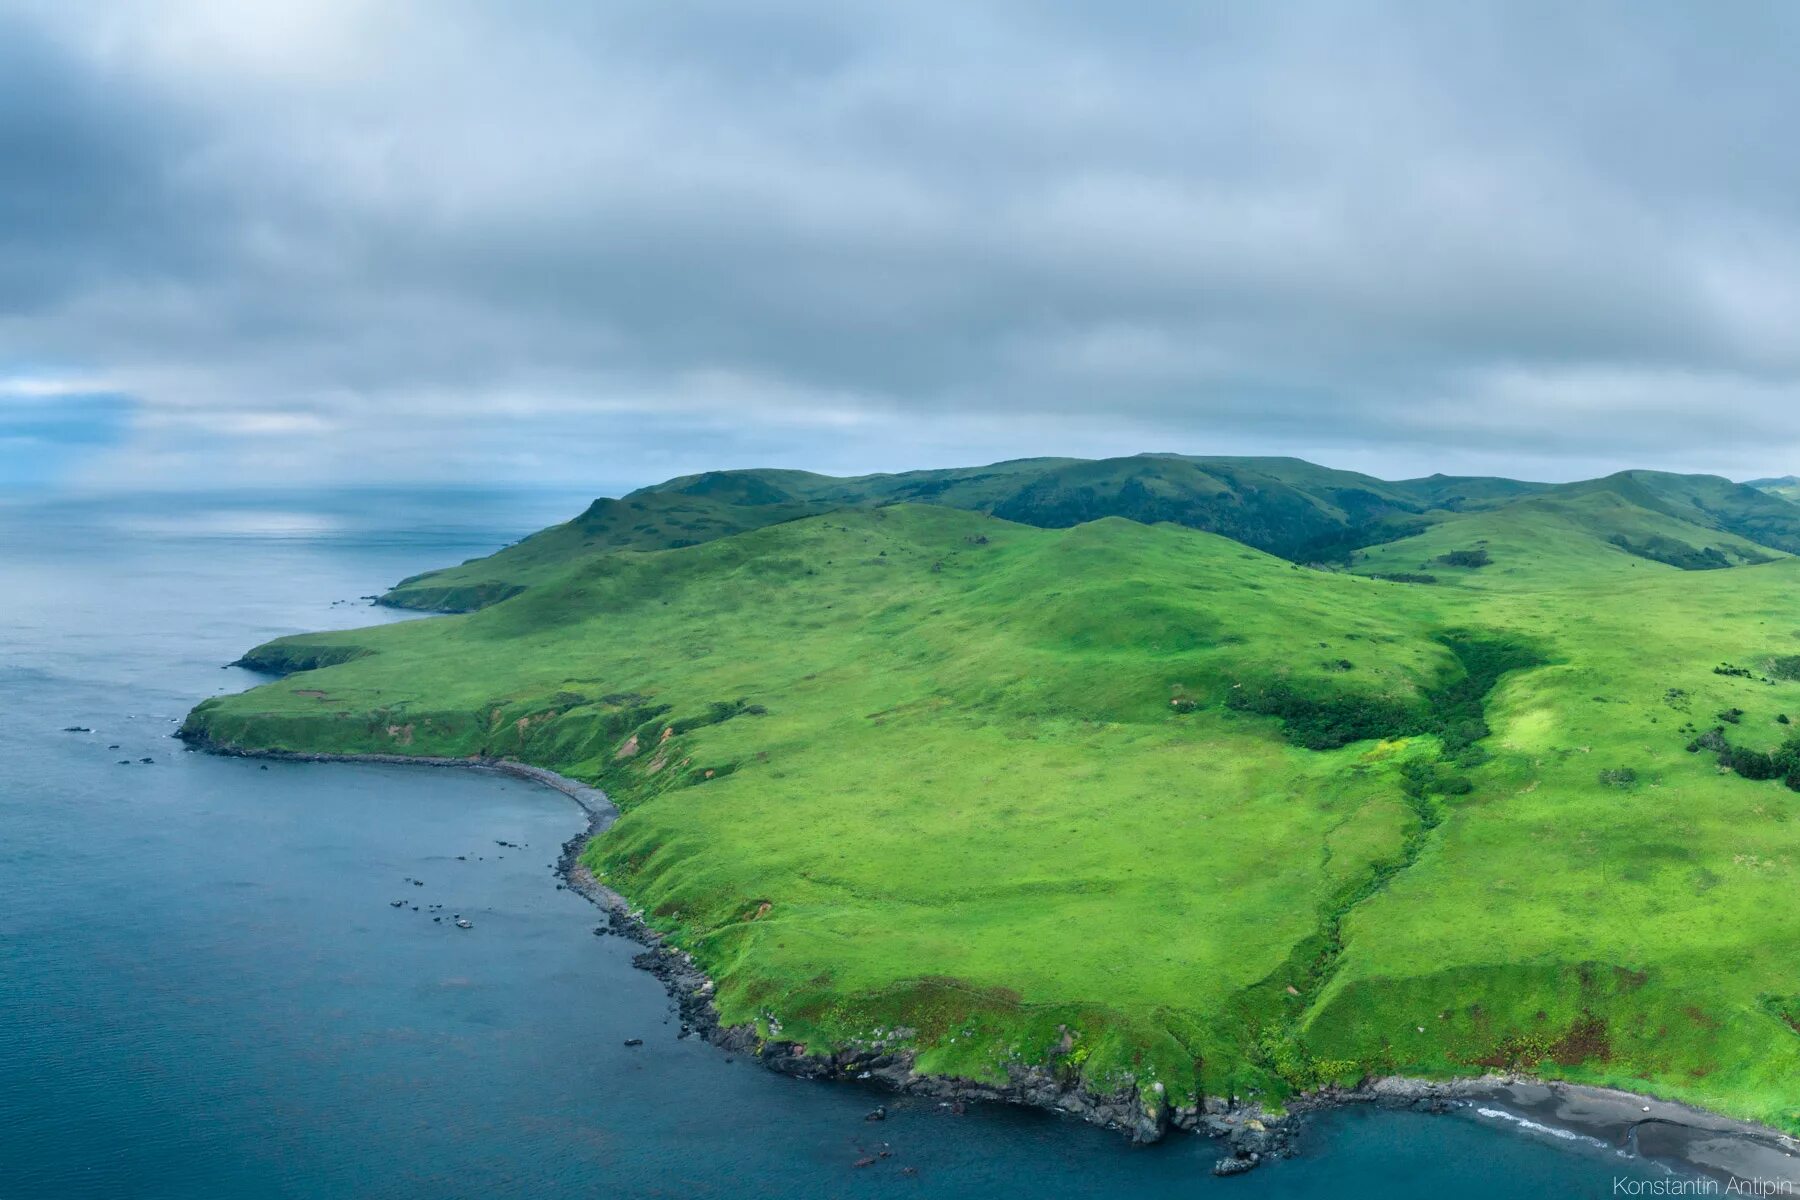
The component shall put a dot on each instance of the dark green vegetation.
(964, 754)
(1661, 549)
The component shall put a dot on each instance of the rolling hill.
(1787, 487)
(1165, 810)
(1287, 507)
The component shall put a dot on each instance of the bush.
(1783, 763)
(1619, 777)
(1712, 739)
(1751, 764)
(1673, 552)
(1328, 722)
(1478, 557)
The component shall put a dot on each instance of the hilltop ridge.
(1285, 506)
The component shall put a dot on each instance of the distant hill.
(1288, 507)
(1785, 486)
(1689, 522)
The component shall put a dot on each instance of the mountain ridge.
(1286, 506)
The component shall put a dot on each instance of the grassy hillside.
(1787, 487)
(1155, 805)
(1294, 509)
(1288, 507)
(1551, 538)
(648, 521)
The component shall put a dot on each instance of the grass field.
(1151, 803)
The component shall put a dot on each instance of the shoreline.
(1728, 1151)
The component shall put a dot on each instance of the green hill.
(1787, 487)
(1288, 507)
(644, 521)
(1146, 803)
(1660, 522)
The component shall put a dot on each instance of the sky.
(328, 242)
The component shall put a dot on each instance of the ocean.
(206, 989)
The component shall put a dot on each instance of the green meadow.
(1238, 776)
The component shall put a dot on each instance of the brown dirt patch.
(1698, 1016)
(1587, 1040)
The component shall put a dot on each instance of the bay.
(206, 989)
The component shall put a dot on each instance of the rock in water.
(1234, 1166)
(880, 1113)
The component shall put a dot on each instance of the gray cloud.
(601, 244)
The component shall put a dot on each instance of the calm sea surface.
(205, 991)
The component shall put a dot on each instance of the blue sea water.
(205, 990)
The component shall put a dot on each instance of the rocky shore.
(1716, 1148)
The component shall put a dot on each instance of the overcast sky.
(601, 244)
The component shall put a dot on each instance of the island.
(1171, 791)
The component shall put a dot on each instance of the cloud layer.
(603, 244)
